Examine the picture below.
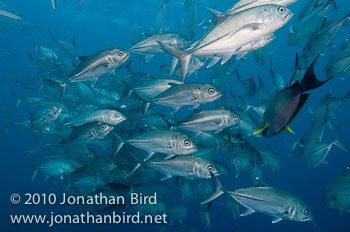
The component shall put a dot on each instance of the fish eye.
(124, 172)
(184, 39)
(116, 115)
(306, 212)
(103, 126)
(210, 168)
(235, 115)
(187, 143)
(120, 53)
(281, 10)
(211, 90)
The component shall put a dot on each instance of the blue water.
(96, 28)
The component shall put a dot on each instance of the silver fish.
(111, 117)
(187, 95)
(189, 167)
(271, 201)
(210, 120)
(237, 30)
(163, 141)
(337, 193)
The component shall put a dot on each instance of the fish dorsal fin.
(275, 220)
(248, 212)
(287, 128)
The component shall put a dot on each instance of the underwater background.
(100, 24)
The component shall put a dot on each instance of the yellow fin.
(288, 129)
(260, 130)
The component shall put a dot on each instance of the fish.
(58, 167)
(276, 78)
(92, 67)
(338, 64)
(163, 141)
(204, 214)
(88, 133)
(309, 24)
(267, 200)
(327, 106)
(234, 32)
(188, 191)
(287, 103)
(111, 117)
(317, 154)
(324, 37)
(153, 88)
(67, 46)
(243, 5)
(209, 120)
(336, 195)
(161, 18)
(150, 45)
(247, 4)
(177, 212)
(186, 95)
(270, 158)
(42, 117)
(9, 14)
(101, 164)
(189, 167)
(248, 84)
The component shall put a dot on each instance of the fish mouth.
(193, 149)
(288, 16)
(217, 96)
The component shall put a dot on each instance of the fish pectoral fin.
(213, 61)
(248, 212)
(287, 128)
(249, 26)
(168, 156)
(260, 130)
(166, 176)
(275, 220)
(149, 155)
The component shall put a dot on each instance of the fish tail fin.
(120, 145)
(169, 124)
(337, 143)
(127, 87)
(326, 119)
(219, 189)
(138, 164)
(128, 67)
(309, 80)
(31, 58)
(334, 3)
(62, 85)
(145, 108)
(181, 55)
(347, 97)
(53, 40)
(35, 169)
